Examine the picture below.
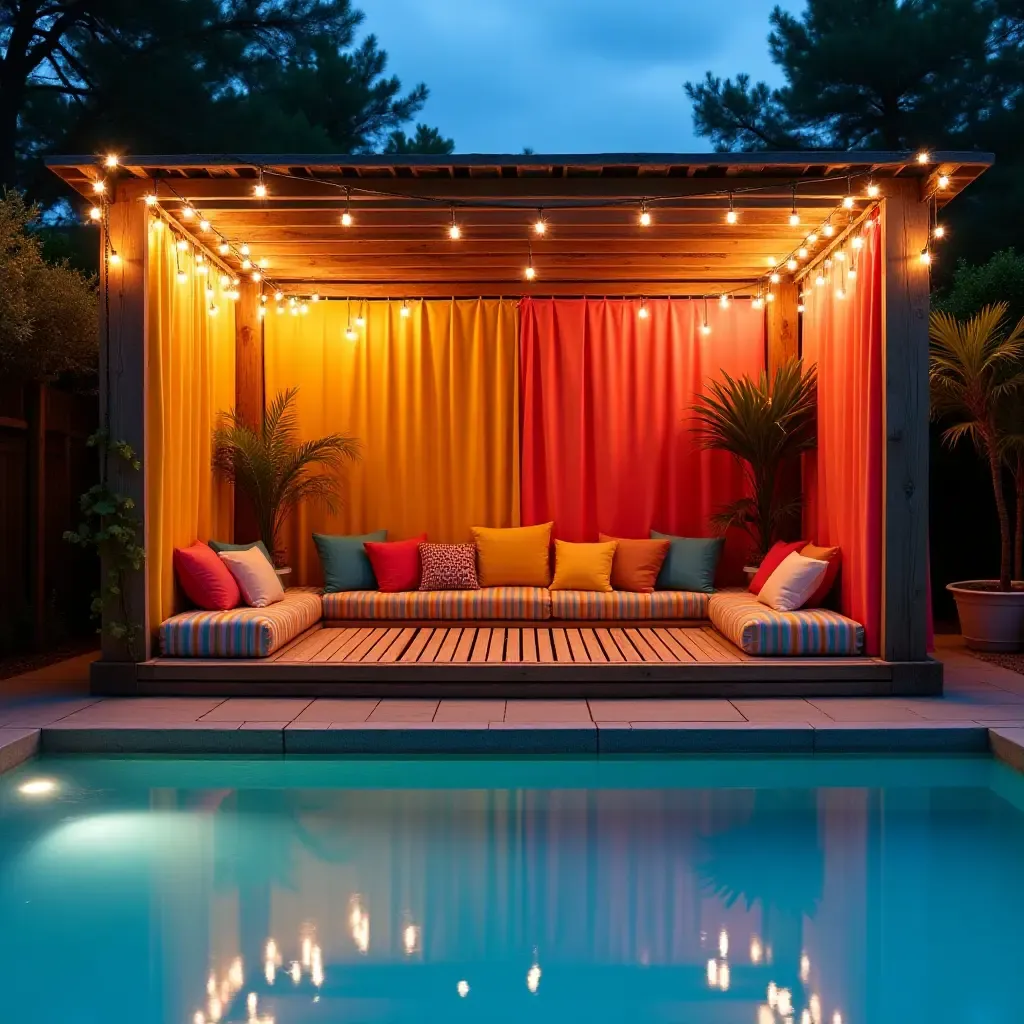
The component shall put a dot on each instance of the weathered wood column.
(123, 371)
(905, 283)
(249, 396)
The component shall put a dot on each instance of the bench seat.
(241, 632)
(623, 605)
(487, 603)
(758, 629)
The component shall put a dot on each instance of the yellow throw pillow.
(515, 557)
(584, 566)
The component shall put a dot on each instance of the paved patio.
(51, 709)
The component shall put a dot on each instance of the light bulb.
(840, 293)
(294, 310)
(724, 302)
(645, 217)
(150, 199)
(705, 328)
(757, 303)
(202, 268)
(841, 255)
(939, 232)
(181, 244)
(209, 292)
(802, 252)
(812, 238)
(234, 295)
(182, 277)
(360, 320)
(278, 296)
(775, 278)
(540, 226)
(857, 242)
(280, 309)
(99, 187)
(346, 219)
(872, 190)
(454, 232)
(187, 212)
(95, 213)
(847, 202)
(943, 181)
(263, 296)
(926, 256)
(213, 310)
(315, 297)
(828, 231)
(350, 334)
(246, 264)
(819, 280)
(800, 307)
(292, 300)
(110, 160)
(303, 308)
(260, 191)
(235, 281)
(852, 273)
(405, 312)
(200, 258)
(204, 225)
(158, 224)
(924, 157)
(794, 219)
(263, 263)
(223, 248)
(257, 276)
(244, 250)
(261, 312)
(530, 273)
(770, 297)
(642, 312)
(791, 264)
(731, 217)
(224, 280)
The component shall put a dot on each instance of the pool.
(733, 891)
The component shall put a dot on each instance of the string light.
(540, 225)
(848, 198)
(802, 252)
(926, 256)
(315, 297)
(182, 277)
(213, 310)
(827, 230)
(454, 232)
(187, 212)
(530, 273)
(260, 188)
(857, 242)
(943, 181)
(346, 217)
(263, 297)
(95, 213)
(99, 186)
(181, 244)
(114, 258)
(732, 216)
(244, 250)
(872, 190)
(360, 320)
(939, 232)
(278, 296)
(223, 248)
(794, 217)
(204, 225)
(110, 161)
(769, 296)
(758, 302)
(304, 309)
(924, 157)
(261, 312)
(350, 333)
(645, 215)
(791, 264)
(705, 328)
(819, 280)
(246, 264)
(812, 238)
(642, 311)
(280, 308)
(209, 291)
(775, 278)
(225, 281)
(257, 276)
(724, 301)
(405, 312)
(150, 199)
(800, 307)
(841, 255)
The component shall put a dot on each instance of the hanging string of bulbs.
(804, 255)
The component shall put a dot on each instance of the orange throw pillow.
(834, 558)
(637, 563)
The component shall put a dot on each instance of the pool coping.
(500, 739)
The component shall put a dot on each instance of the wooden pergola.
(597, 245)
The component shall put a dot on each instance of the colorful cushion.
(448, 567)
(834, 558)
(637, 563)
(241, 632)
(220, 545)
(488, 603)
(205, 578)
(690, 563)
(396, 564)
(776, 553)
(792, 583)
(515, 557)
(259, 584)
(623, 604)
(583, 566)
(758, 629)
(345, 562)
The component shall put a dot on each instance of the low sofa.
(736, 614)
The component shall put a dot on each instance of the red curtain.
(606, 425)
(843, 478)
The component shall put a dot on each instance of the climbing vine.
(111, 527)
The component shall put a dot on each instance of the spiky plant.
(975, 378)
(277, 471)
(765, 423)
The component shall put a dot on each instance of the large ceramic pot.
(990, 619)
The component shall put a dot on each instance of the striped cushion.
(758, 629)
(240, 632)
(624, 604)
(488, 603)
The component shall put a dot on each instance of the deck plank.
(306, 646)
(576, 646)
(465, 645)
(496, 647)
(529, 644)
(359, 644)
(451, 642)
(629, 652)
(679, 652)
(295, 643)
(663, 651)
(512, 644)
(416, 646)
(715, 651)
(438, 636)
(644, 649)
(685, 637)
(398, 645)
(545, 652)
(593, 646)
(560, 645)
(729, 651)
(341, 639)
(380, 647)
(611, 651)
(480, 645)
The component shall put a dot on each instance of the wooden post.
(905, 419)
(123, 366)
(783, 343)
(249, 397)
(35, 414)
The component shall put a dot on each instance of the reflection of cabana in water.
(516, 341)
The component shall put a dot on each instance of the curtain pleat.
(843, 477)
(606, 416)
(432, 397)
(190, 379)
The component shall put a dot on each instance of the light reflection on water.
(739, 892)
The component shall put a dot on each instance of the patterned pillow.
(448, 567)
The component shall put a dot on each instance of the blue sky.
(568, 75)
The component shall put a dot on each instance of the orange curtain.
(607, 429)
(843, 477)
(433, 398)
(190, 379)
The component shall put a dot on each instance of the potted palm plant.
(275, 470)
(976, 376)
(766, 423)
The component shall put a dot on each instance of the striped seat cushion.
(486, 603)
(758, 629)
(623, 604)
(240, 632)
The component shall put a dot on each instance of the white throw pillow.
(791, 585)
(255, 577)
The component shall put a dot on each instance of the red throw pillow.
(834, 558)
(779, 550)
(206, 580)
(396, 564)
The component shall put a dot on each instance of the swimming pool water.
(830, 891)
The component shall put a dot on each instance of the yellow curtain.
(190, 380)
(432, 396)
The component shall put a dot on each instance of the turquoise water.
(843, 891)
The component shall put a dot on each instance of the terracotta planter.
(990, 620)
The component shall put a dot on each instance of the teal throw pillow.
(219, 546)
(690, 563)
(346, 566)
